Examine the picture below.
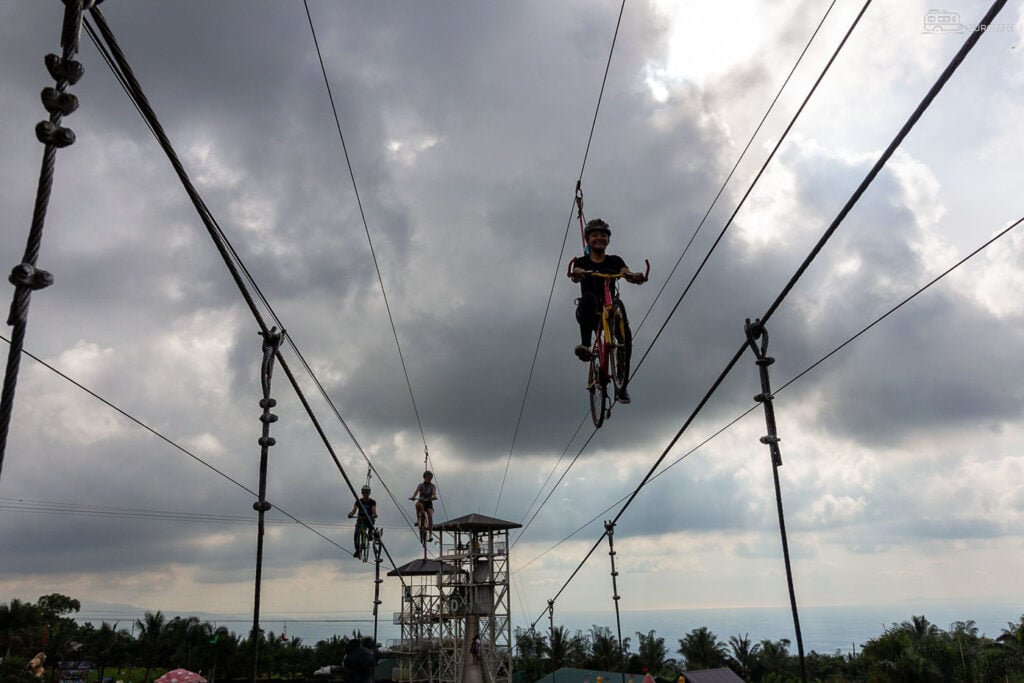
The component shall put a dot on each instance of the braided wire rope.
(369, 240)
(168, 441)
(810, 368)
(558, 263)
(919, 110)
(725, 228)
(216, 235)
(25, 276)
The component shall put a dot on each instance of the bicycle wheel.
(361, 545)
(598, 392)
(622, 345)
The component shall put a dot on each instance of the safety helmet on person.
(366, 489)
(428, 475)
(597, 225)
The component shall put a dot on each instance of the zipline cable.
(728, 223)
(369, 240)
(750, 189)
(829, 232)
(167, 440)
(739, 159)
(214, 225)
(289, 339)
(558, 263)
(215, 233)
(795, 378)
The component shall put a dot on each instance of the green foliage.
(907, 652)
(12, 670)
(701, 649)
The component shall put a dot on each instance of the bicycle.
(423, 522)
(609, 354)
(362, 537)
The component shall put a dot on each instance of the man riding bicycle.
(588, 307)
(425, 495)
(366, 508)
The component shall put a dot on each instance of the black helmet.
(594, 225)
(366, 489)
(428, 473)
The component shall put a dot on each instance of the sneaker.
(622, 396)
(583, 353)
(356, 553)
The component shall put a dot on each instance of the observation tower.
(450, 601)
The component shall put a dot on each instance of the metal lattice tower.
(454, 600)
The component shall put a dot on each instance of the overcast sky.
(466, 125)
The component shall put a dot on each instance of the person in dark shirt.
(366, 509)
(597, 234)
(359, 664)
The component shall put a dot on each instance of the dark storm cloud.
(466, 125)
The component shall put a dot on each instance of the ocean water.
(824, 629)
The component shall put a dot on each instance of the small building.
(723, 675)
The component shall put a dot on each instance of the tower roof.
(423, 568)
(475, 522)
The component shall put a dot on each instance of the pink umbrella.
(180, 676)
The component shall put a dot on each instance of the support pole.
(755, 331)
(377, 581)
(271, 344)
(609, 528)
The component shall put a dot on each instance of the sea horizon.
(824, 629)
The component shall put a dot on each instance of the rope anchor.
(756, 332)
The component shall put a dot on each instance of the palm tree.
(772, 659)
(150, 641)
(1011, 642)
(558, 647)
(652, 652)
(702, 650)
(919, 627)
(744, 654)
(19, 621)
(107, 645)
(604, 650)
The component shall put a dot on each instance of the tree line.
(909, 652)
(914, 651)
(154, 645)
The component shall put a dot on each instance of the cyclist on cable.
(366, 509)
(597, 235)
(425, 495)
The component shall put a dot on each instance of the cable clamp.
(769, 440)
(762, 397)
(64, 69)
(262, 506)
(55, 101)
(27, 275)
(51, 134)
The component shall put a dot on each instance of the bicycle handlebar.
(609, 276)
